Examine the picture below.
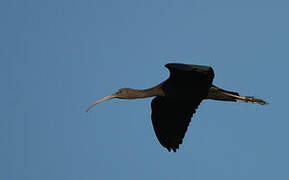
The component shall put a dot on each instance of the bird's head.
(126, 93)
(123, 93)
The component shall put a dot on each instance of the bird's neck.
(145, 93)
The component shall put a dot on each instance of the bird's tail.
(216, 93)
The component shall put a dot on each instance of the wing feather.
(171, 119)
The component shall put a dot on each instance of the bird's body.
(177, 99)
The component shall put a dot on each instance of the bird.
(177, 98)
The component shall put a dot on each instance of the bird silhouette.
(177, 99)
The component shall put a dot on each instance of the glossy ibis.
(177, 99)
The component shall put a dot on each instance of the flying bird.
(177, 98)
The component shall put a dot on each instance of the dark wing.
(184, 90)
(188, 82)
(189, 71)
(171, 119)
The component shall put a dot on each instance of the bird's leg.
(216, 93)
(247, 99)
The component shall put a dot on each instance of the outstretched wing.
(191, 73)
(171, 119)
(188, 82)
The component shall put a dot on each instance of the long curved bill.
(100, 100)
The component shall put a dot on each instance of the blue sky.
(57, 57)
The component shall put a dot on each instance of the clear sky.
(58, 56)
